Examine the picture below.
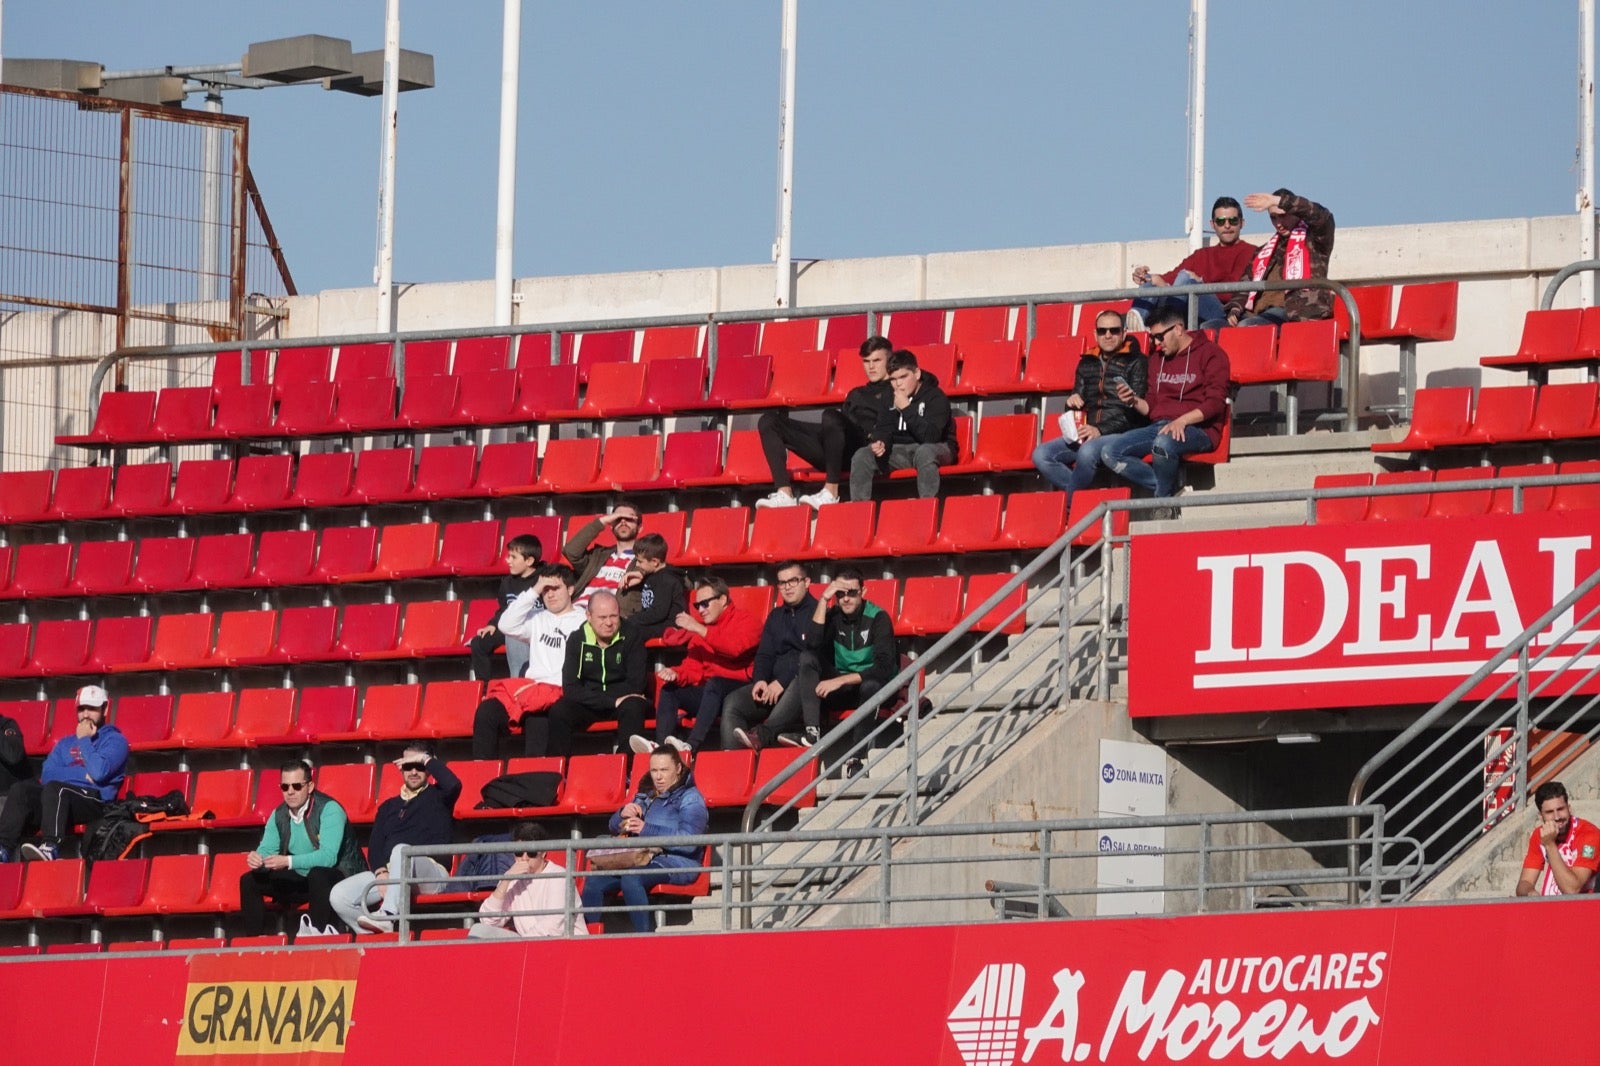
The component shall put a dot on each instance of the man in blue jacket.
(81, 774)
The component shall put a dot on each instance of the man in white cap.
(81, 774)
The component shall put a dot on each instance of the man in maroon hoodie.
(721, 645)
(1186, 401)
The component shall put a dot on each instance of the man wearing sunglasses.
(720, 647)
(305, 850)
(423, 813)
(853, 642)
(1072, 460)
(1186, 402)
(1226, 260)
(1300, 247)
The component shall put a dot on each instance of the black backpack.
(121, 824)
(535, 788)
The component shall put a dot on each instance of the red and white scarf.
(1296, 260)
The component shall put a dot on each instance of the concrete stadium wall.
(1504, 264)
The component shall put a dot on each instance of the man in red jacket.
(1227, 260)
(721, 645)
(1186, 401)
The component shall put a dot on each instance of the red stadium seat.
(432, 627)
(1052, 364)
(202, 719)
(1006, 442)
(570, 466)
(991, 367)
(263, 483)
(778, 533)
(1438, 414)
(104, 567)
(286, 557)
(745, 463)
(33, 719)
(25, 496)
(357, 361)
(175, 885)
(687, 455)
(595, 784)
(1426, 311)
(931, 605)
(595, 349)
(789, 337)
(83, 492)
(352, 785)
(429, 402)
(447, 708)
(264, 716)
(1346, 508)
(41, 570)
(147, 723)
(968, 523)
(1372, 302)
(630, 460)
(203, 486)
(474, 774)
(978, 325)
(800, 789)
(906, 527)
(616, 390)
(365, 629)
(120, 418)
(474, 354)
(182, 640)
(1467, 503)
(228, 368)
(1007, 616)
(469, 548)
(323, 479)
(1308, 351)
(409, 550)
(843, 531)
(242, 412)
(164, 564)
(503, 467)
(1252, 354)
(545, 528)
(120, 642)
(1085, 502)
(734, 339)
(1565, 411)
(799, 379)
(1502, 414)
(365, 405)
(142, 489)
(293, 367)
(908, 329)
(305, 634)
(1034, 519)
(1575, 496)
(388, 712)
(306, 410)
(1502, 500)
(675, 385)
(445, 472)
(740, 380)
(244, 636)
(546, 393)
(669, 342)
(15, 640)
(717, 535)
(383, 475)
(724, 778)
(1397, 508)
(50, 888)
(845, 332)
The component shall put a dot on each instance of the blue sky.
(648, 129)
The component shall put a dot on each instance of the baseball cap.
(92, 696)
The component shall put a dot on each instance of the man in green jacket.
(853, 642)
(305, 850)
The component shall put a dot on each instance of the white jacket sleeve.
(517, 619)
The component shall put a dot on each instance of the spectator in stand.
(669, 806)
(1072, 464)
(1227, 260)
(306, 849)
(522, 559)
(720, 649)
(828, 446)
(15, 766)
(532, 884)
(602, 678)
(1186, 401)
(82, 773)
(783, 695)
(914, 431)
(423, 813)
(1300, 246)
(601, 567)
(853, 643)
(545, 617)
(1564, 851)
(657, 588)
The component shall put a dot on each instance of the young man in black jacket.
(423, 813)
(604, 677)
(660, 588)
(853, 643)
(829, 445)
(783, 694)
(914, 431)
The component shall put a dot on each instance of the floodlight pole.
(391, 119)
(506, 204)
(1195, 222)
(1586, 182)
(782, 251)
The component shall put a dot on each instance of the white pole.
(1586, 241)
(212, 283)
(1195, 221)
(781, 247)
(506, 210)
(391, 119)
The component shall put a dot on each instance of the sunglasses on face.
(1231, 220)
(1161, 336)
(414, 767)
(849, 593)
(706, 602)
(293, 786)
(1108, 331)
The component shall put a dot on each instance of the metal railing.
(919, 875)
(1028, 302)
(915, 761)
(1447, 790)
(1571, 269)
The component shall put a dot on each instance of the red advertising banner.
(1364, 614)
(1369, 987)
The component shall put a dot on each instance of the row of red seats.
(1441, 502)
(1295, 351)
(1426, 312)
(703, 537)
(362, 632)
(1446, 418)
(1558, 337)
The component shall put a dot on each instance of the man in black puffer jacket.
(1070, 464)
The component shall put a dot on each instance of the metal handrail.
(1047, 858)
(1549, 298)
(872, 310)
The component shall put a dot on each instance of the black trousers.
(287, 889)
(552, 733)
(848, 699)
(483, 649)
(827, 447)
(53, 809)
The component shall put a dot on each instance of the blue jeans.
(1070, 466)
(1210, 305)
(635, 886)
(1271, 316)
(1125, 456)
(703, 701)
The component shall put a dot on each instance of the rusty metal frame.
(273, 247)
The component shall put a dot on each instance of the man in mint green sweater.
(305, 850)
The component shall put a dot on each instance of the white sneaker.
(1133, 321)
(682, 746)
(641, 745)
(821, 498)
(777, 498)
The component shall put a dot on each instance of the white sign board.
(1133, 779)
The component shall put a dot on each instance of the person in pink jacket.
(503, 915)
